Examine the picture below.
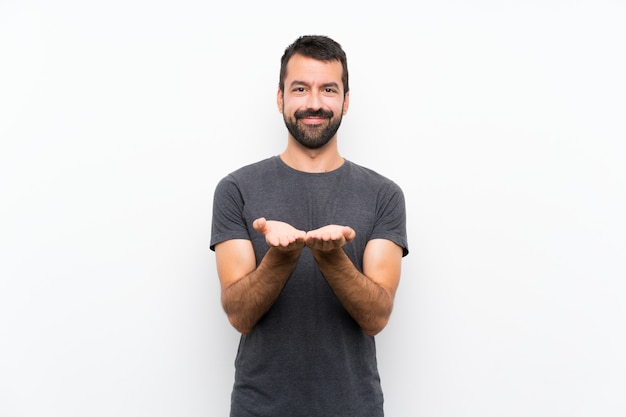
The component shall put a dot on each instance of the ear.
(279, 100)
(346, 103)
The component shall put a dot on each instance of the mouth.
(313, 117)
(312, 120)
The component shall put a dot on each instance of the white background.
(503, 121)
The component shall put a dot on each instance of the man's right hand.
(280, 235)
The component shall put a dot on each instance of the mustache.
(325, 114)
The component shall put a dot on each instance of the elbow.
(372, 332)
(243, 330)
(376, 326)
(375, 323)
(239, 325)
(235, 317)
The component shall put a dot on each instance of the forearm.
(367, 302)
(248, 299)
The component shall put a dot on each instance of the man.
(308, 249)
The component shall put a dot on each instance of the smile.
(312, 120)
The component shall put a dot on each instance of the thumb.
(348, 233)
(260, 225)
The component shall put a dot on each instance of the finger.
(260, 225)
(348, 233)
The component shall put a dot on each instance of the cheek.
(339, 106)
(291, 106)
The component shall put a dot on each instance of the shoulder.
(371, 178)
(251, 173)
(253, 169)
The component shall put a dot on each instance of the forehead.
(302, 68)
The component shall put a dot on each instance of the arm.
(248, 291)
(367, 296)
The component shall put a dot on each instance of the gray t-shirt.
(307, 356)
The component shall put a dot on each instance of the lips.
(312, 120)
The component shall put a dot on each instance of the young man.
(308, 249)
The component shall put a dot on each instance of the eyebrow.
(305, 84)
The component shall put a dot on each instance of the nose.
(314, 100)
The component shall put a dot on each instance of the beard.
(313, 136)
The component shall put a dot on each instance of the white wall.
(502, 121)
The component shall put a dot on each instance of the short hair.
(321, 48)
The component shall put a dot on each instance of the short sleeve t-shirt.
(307, 356)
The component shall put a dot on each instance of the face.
(313, 102)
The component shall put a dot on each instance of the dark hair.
(317, 47)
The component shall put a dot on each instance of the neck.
(324, 159)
